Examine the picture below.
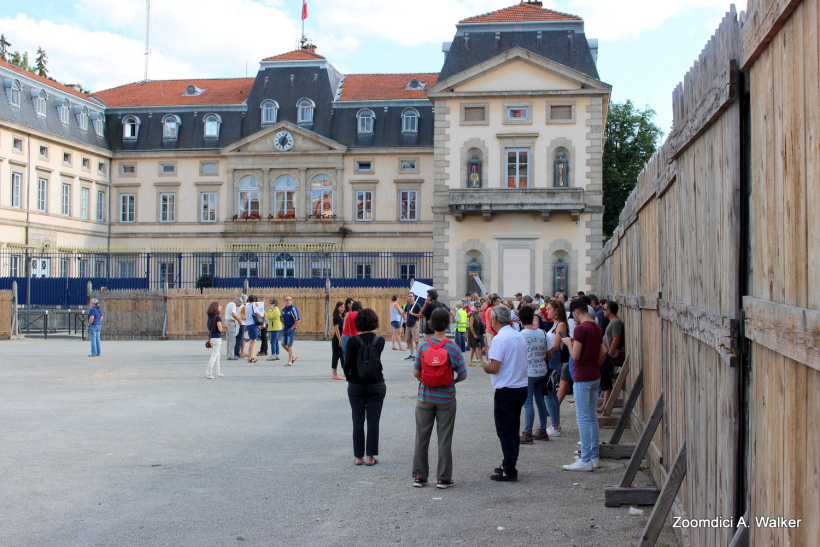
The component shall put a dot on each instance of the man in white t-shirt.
(508, 371)
(235, 327)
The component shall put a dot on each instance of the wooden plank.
(811, 118)
(718, 331)
(653, 527)
(616, 451)
(761, 26)
(616, 389)
(791, 331)
(643, 444)
(628, 407)
(615, 496)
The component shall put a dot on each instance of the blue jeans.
(288, 336)
(535, 387)
(345, 338)
(240, 337)
(460, 340)
(586, 403)
(94, 335)
(274, 341)
(553, 406)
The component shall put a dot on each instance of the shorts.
(565, 375)
(288, 336)
(395, 324)
(253, 332)
(411, 334)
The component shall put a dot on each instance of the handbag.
(210, 335)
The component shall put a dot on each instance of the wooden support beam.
(615, 496)
(615, 451)
(630, 405)
(616, 389)
(608, 421)
(787, 330)
(670, 489)
(719, 331)
(741, 537)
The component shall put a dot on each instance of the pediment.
(304, 142)
(517, 70)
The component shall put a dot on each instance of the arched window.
(212, 123)
(304, 110)
(248, 198)
(14, 93)
(410, 121)
(284, 265)
(40, 101)
(366, 119)
(130, 127)
(248, 264)
(284, 192)
(64, 109)
(270, 112)
(170, 126)
(99, 124)
(321, 196)
(82, 118)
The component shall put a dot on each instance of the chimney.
(535, 3)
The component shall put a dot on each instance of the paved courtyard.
(137, 447)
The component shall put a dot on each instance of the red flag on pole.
(304, 10)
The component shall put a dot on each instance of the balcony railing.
(489, 201)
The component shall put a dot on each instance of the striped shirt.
(446, 394)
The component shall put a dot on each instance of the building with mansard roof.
(494, 163)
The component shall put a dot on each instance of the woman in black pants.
(336, 341)
(366, 395)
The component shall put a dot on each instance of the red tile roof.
(384, 87)
(295, 55)
(44, 81)
(521, 13)
(170, 93)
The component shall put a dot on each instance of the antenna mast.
(147, 35)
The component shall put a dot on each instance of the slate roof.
(567, 48)
(44, 81)
(384, 87)
(296, 55)
(521, 13)
(230, 91)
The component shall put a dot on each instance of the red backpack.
(435, 365)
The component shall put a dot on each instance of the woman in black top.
(366, 397)
(336, 341)
(215, 329)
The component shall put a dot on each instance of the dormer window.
(63, 109)
(99, 123)
(304, 110)
(40, 101)
(82, 118)
(270, 111)
(130, 127)
(170, 126)
(212, 123)
(410, 121)
(366, 119)
(415, 85)
(14, 93)
(192, 91)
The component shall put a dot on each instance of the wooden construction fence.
(6, 314)
(715, 265)
(142, 314)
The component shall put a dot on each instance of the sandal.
(252, 361)
(358, 461)
(371, 463)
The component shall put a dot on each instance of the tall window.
(64, 265)
(170, 126)
(366, 119)
(42, 195)
(65, 109)
(66, 200)
(407, 271)
(82, 118)
(127, 269)
(40, 103)
(82, 267)
(408, 204)
(99, 124)
(284, 265)
(100, 206)
(304, 110)
(364, 205)
(16, 184)
(248, 265)
(518, 167)
(248, 196)
(321, 196)
(14, 94)
(321, 266)
(270, 111)
(167, 207)
(128, 207)
(410, 120)
(364, 271)
(284, 191)
(99, 268)
(130, 127)
(14, 265)
(84, 199)
(167, 273)
(207, 209)
(212, 123)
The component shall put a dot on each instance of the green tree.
(21, 60)
(631, 139)
(4, 47)
(40, 63)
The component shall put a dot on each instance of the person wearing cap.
(520, 298)
(95, 317)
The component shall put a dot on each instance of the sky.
(645, 46)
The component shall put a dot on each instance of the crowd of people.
(536, 353)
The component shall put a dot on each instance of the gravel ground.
(138, 448)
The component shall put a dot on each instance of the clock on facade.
(283, 141)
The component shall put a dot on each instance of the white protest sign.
(420, 289)
(480, 284)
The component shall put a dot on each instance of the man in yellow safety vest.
(461, 327)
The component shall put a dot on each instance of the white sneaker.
(596, 462)
(553, 432)
(578, 443)
(220, 375)
(209, 377)
(578, 466)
